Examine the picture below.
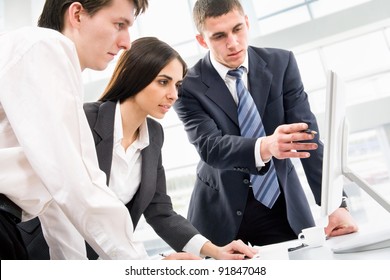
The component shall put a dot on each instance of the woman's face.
(158, 97)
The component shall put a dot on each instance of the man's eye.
(120, 25)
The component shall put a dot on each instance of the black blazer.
(151, 198)
(209, 114)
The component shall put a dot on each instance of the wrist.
(265, 154)
(210, 250)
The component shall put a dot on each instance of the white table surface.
(279, 251)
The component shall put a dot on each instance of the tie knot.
(237, 73)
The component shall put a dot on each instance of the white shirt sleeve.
(195, 244)
(42, 98)
(259, 162)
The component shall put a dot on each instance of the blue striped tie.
(266, 187)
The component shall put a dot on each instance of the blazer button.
(239, 213)
(246, 181)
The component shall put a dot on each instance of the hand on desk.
(340, 223)
(235, 250)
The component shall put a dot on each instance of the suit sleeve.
(170, 226)
(216, 139)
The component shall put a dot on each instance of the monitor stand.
(360, 242)
(373, 239)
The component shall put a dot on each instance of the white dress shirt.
(48, 160)
(125, 175)
(230, 82)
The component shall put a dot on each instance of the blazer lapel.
(147, 189)
(259, 80)
(217, 90)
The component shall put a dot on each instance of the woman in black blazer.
(128, 143)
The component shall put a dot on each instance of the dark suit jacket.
(209, 114)
(151, 198)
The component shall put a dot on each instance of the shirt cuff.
(195, 244)
(259, 162)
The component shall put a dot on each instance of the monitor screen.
(334, 144)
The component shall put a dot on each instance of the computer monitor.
(335, 168)
(335, 162)
(335, 144)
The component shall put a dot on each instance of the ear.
(75, 12)
(247, 21)
(201, 41)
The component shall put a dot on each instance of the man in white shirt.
(47, 157)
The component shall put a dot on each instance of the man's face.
(227, 38)
(104, 34)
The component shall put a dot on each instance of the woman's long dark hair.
(138, 67)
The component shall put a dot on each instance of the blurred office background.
(352, 37)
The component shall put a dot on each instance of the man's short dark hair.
(53, 12)
(204, 9)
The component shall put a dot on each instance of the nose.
(231, 41)
(124, 40)
(173, 94)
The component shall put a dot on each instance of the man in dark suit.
(223, 206)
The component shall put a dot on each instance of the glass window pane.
(387, 32)
(267, 7)
(188, 49)
(359, 56)
(36, 10)
(177, 150)
(2, 15)
(364, 90)
(284, 20)
(312, 70)
(171, 25)
(325, 7)
(367, 157)
(317, 101)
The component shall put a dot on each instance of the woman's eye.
(163, 82)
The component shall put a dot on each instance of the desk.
(279, 251)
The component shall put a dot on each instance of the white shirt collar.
(222, 69)
(142, 140)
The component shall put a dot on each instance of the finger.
(342, 230)
(292, 154)
(291, 128)
(303, 146)
(294, 146)
(337, 232)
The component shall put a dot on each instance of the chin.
(98, 67)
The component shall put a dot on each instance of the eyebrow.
(127, 21)
(166, 76)
(223, 33)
